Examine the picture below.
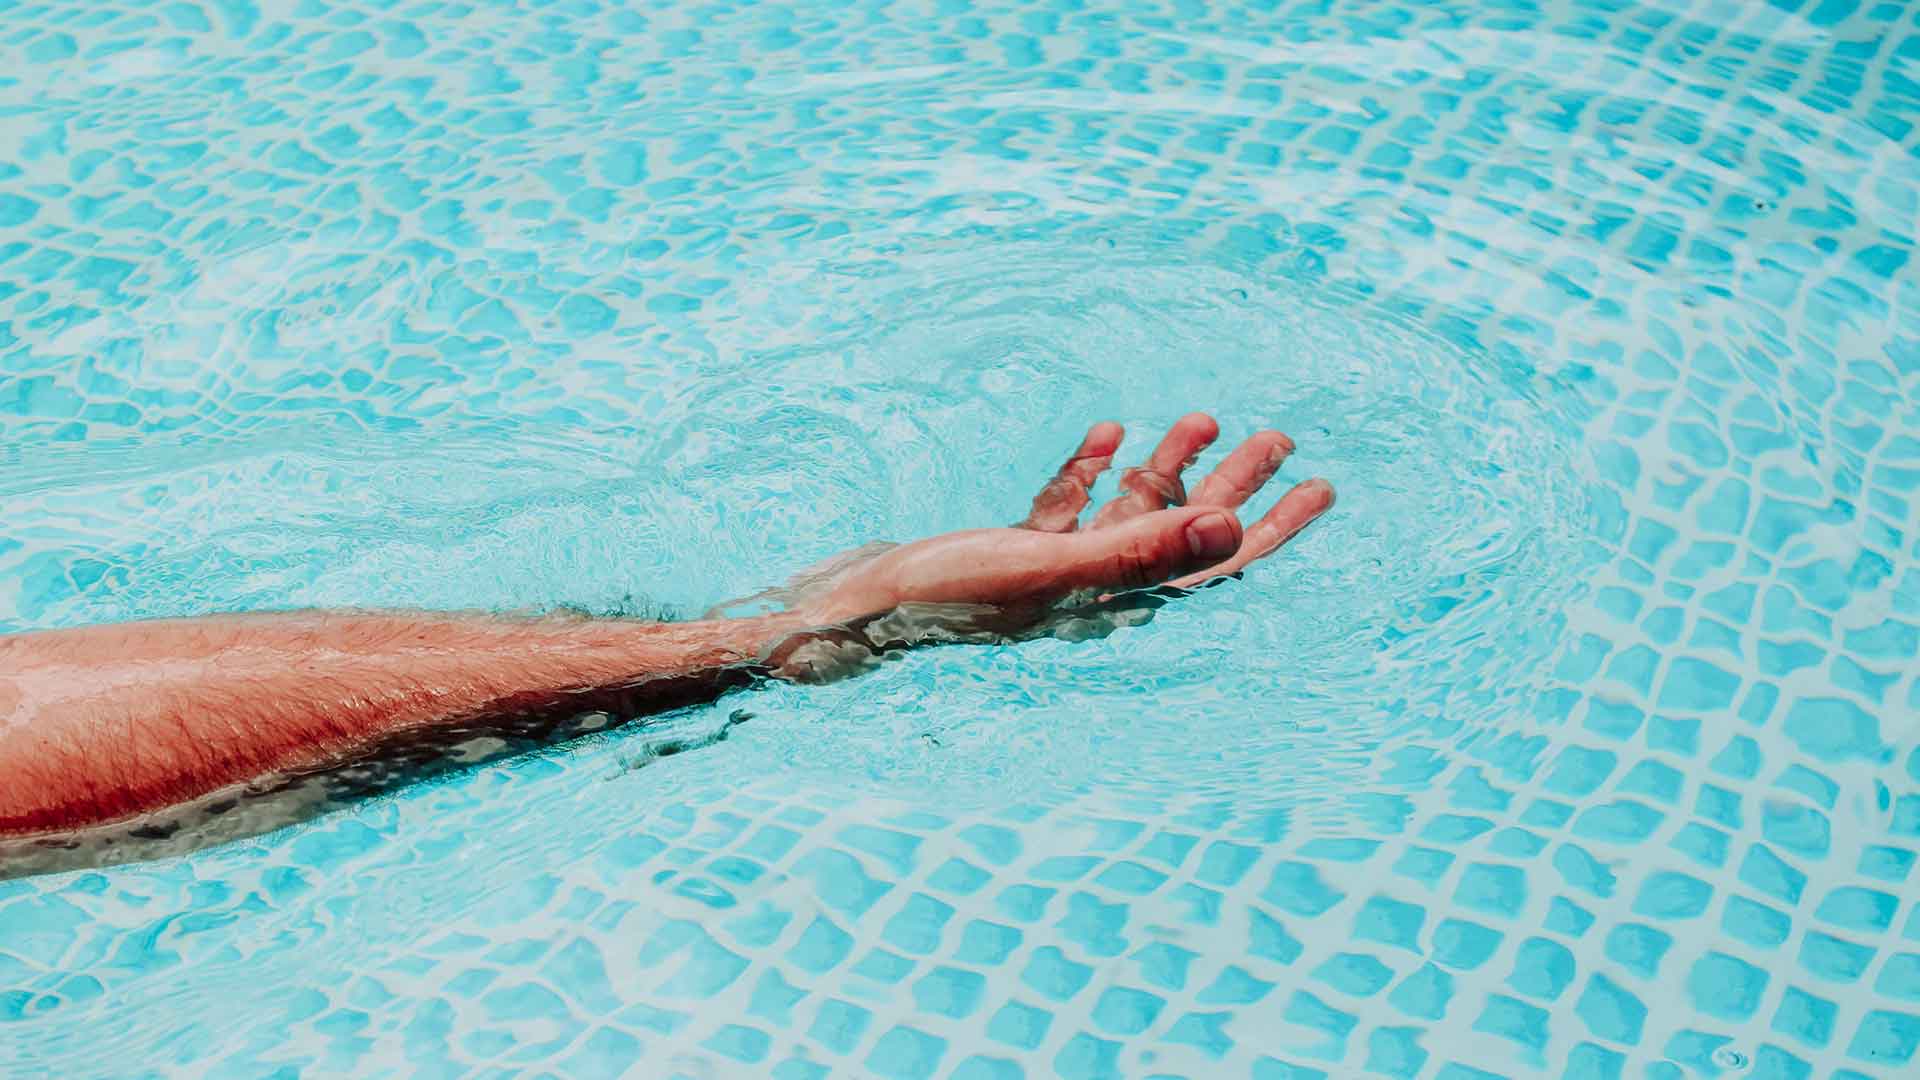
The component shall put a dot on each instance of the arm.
(100, 724)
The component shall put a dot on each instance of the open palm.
(1150, 534)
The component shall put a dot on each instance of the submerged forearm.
(107, 722)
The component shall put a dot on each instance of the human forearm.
(104, 723)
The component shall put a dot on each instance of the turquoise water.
(1579, 741)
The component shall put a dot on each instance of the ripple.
(969, 368)
(1601, 320)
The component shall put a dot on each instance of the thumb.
(1152, 548)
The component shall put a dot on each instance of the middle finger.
(1156, 484)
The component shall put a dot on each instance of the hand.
(1004, 580)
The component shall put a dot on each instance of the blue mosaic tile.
(1573, 745)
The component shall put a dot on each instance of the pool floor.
(1582, 740)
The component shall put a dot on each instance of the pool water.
(1579, 741)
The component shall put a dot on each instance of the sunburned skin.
(109, 723)
(115, 722)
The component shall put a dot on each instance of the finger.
(1294, 512)
(1245, 471)
(1156, 484)
(1057, 508)
(1016, 569)
(1149, 549)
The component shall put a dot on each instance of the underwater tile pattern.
(1582, 742)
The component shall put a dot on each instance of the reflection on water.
(1577, 741)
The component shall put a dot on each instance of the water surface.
(1579, 741)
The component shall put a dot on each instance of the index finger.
(1295, 511)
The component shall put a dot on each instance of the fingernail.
(1211, 537)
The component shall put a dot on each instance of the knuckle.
(1149, 484)
(1066, 489)
(1143, 563)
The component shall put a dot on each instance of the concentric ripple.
(1578, 742)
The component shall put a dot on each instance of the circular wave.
(965, 369)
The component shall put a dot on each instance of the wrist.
(754, 639)
(807, 645)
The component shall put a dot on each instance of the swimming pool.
(1579, 741)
